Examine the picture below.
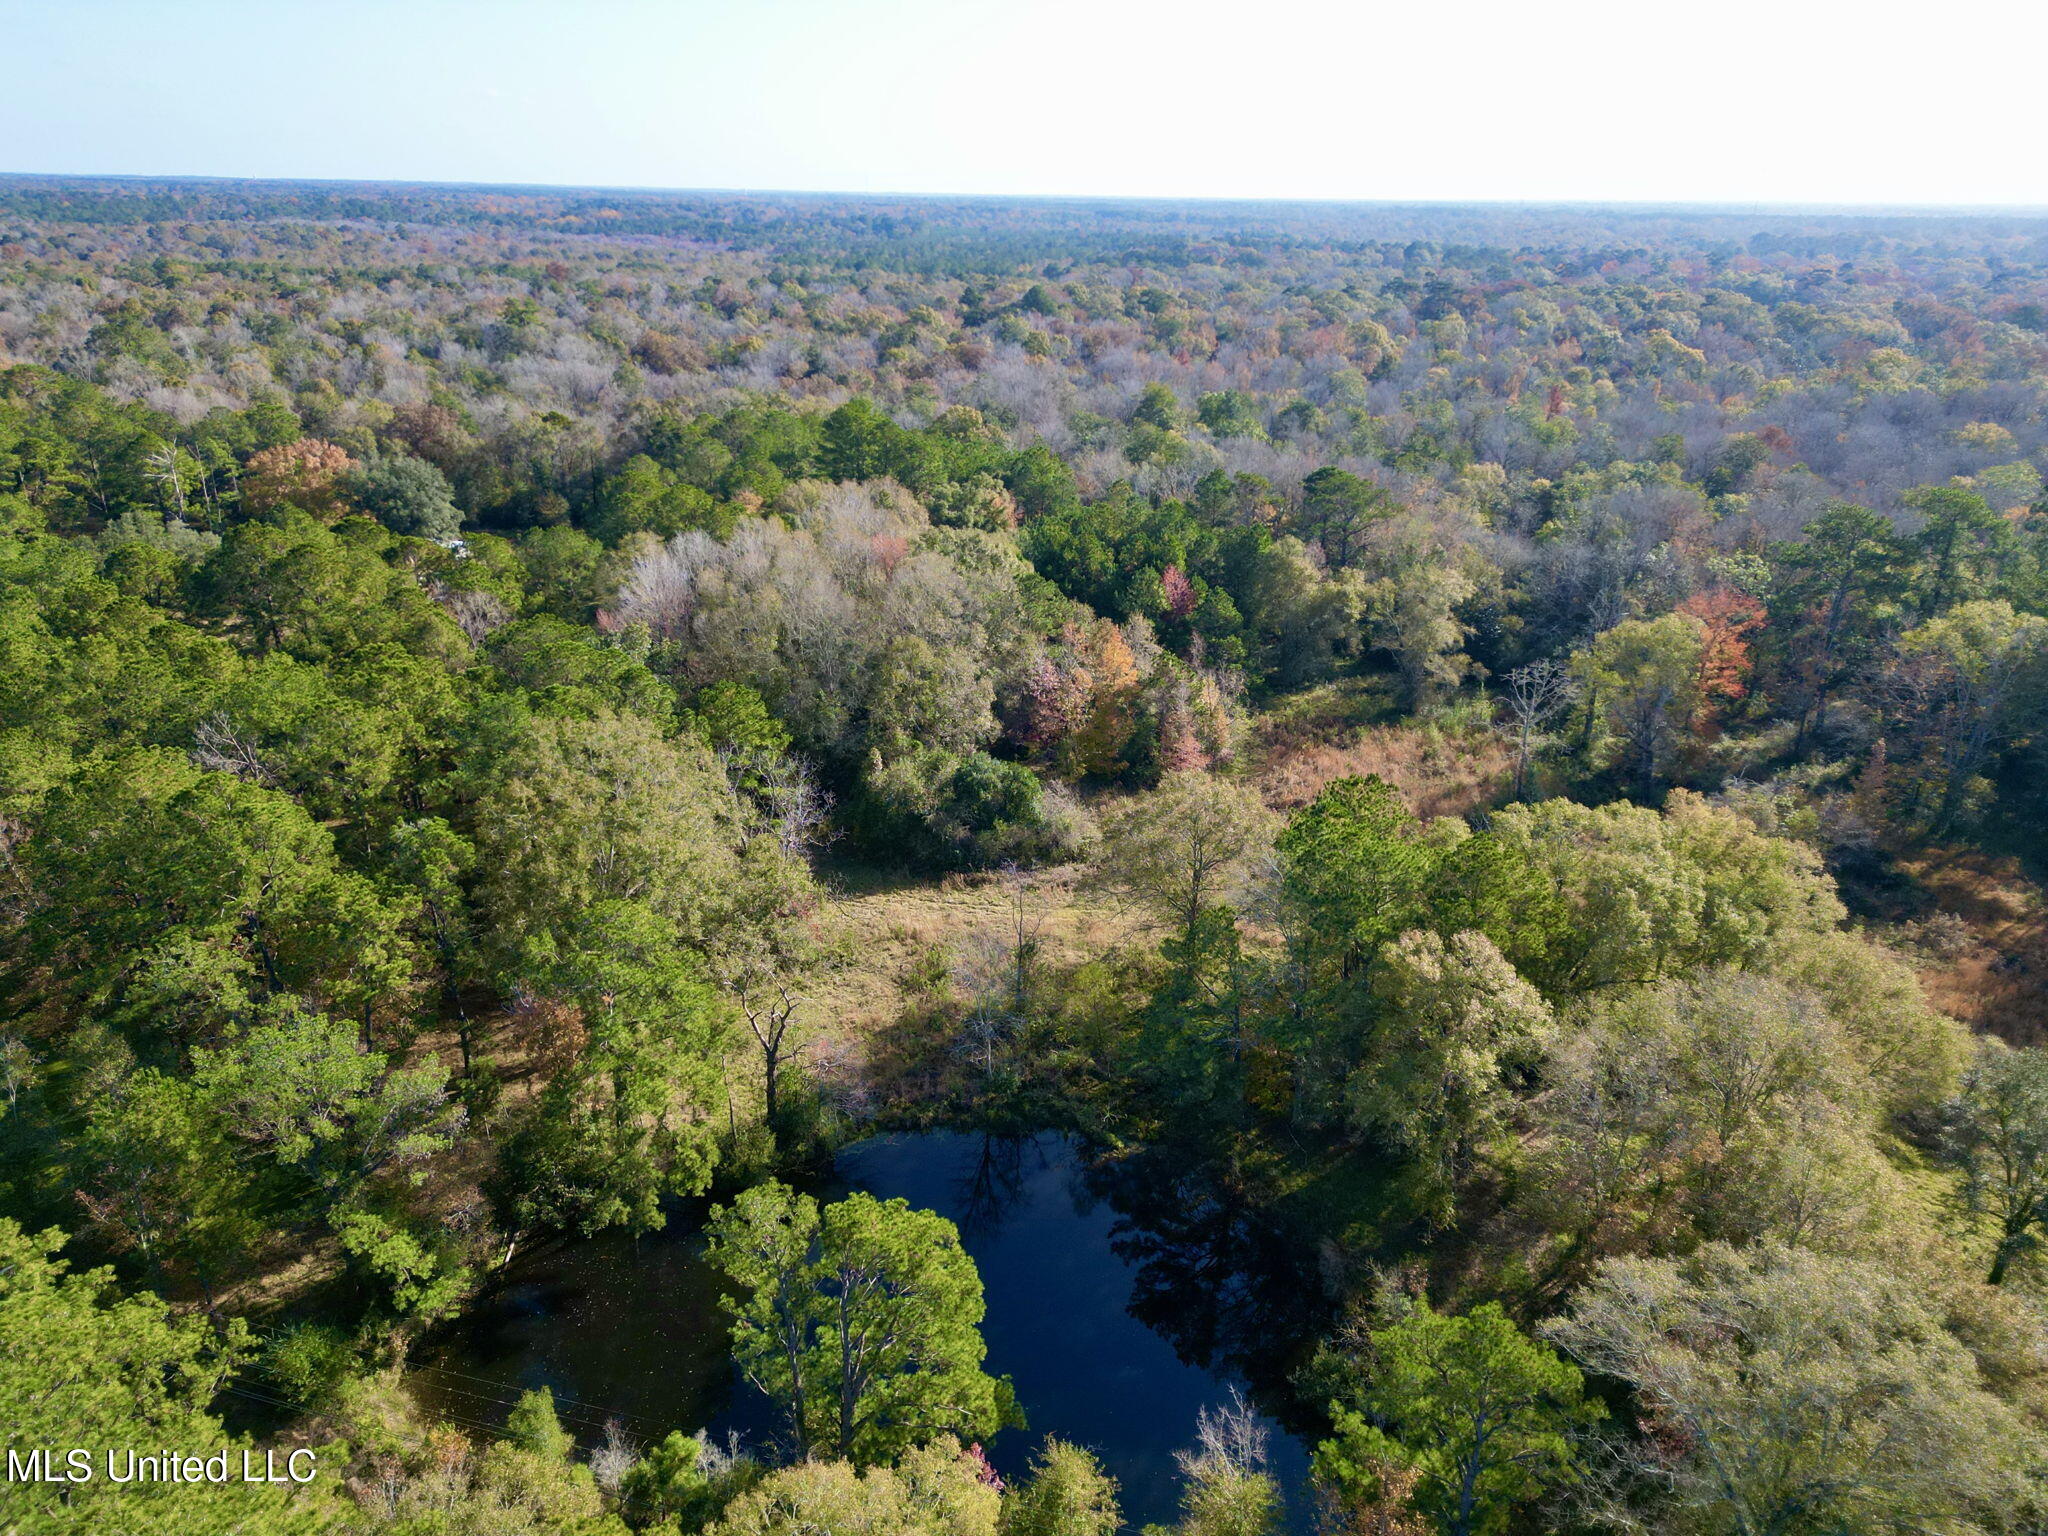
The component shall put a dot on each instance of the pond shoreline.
(1084, 1312)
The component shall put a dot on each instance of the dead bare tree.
(769, 1014)
(217, 745)
(1535, 696)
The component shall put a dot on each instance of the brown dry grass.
(1349, 727)
(1437, 774)
(1999, 984)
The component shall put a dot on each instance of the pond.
(1116, 1332)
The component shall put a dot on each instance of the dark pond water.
(1117, 1300)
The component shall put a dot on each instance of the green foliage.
(1966, 686)
(332, 1114)
(413, 1282)
(86, 1366)
(646, 497)
(1189, 846)
(625, 1124)
(533, 1427)
(1998, 1134)
(732, 719)
(935, 1490)
(1798, 1391)
(683, 1478)
(1484, 1416)
(1453, 1022)
(164, 1180)
(319, 593)
(1356, 867)
(573, 813)
(408, 496)
(564, 669)
(1625, 895)
(1639, 683)
(300, 797)
(1230, 413)
(862, 1321)
(1338, 509)
(1067, 1494)
(308, 1363)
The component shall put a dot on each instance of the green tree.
(684, 1478)
(1067, 1494)
(1355, 870)
(535, 1428)
(82, 1365)
(1453, 1019)
(1791, 1391)
(1998, 1134)
(317, 593)
(1962, 543)
(933, 1490)
(1156, 407)
(859, 443)
(1192, 844)
(408, 496)
(1830, 600)
(409, 1271)
(1482, 1414)
(578, 812)
(1623, 894)
(732, 719)
(303, 1091)
(1640, 685)
(646, 497)
(1417, 583)
(431, 859)
(153, 879)
(1961, 689)
(1230, 413)
(627, 1122)
(1337, 510)
(862, 1321)
(160, 1178)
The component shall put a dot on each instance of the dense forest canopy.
(1492, 759)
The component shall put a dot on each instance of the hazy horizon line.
(1755, 206)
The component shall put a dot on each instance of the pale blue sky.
(1730, 101)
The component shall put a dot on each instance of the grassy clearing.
(891, 925)
(1343, 728)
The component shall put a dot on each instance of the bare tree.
(17, 1067)
(217, 745)
(1536, 695)
(166, 466)
(613, 1458)
(769, 1012)
(799, 809)
(1231, 1436)
(477, 613)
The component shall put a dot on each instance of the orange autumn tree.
(1729, 618)
(306, 474)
